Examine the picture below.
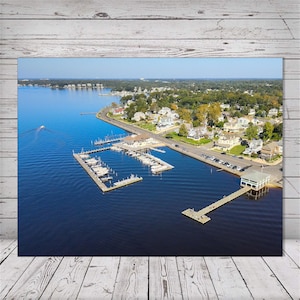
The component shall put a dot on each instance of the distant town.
(237, 117)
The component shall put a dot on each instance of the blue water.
(63, 212)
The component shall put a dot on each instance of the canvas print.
(150, 156)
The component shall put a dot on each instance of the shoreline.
(180, 147)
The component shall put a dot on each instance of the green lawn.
(178, 138)
(237, 150)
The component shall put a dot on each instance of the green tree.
(184, 114)
(130, 111)
(214, 112)
(267, 131)
(251, 131)
(277, 132)
(141, 105)
(200, 113)
(183, 130)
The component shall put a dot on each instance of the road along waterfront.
(202, 153)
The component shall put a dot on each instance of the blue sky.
(149, 68)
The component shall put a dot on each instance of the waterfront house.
(227, 141)
(254, 147)
(117, 111)
(138, 116)
(165, 121)
(270, 150)
(256, 180)
(197, 133)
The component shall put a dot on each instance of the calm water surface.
(63, 212)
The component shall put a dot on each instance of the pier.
(100, 183)
(96, 150)
(254, 183)
(110, 139)
(200, 216)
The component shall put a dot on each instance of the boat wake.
(34, 134)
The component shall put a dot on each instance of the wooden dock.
(100, 183)
(96, 150)
(201, 217)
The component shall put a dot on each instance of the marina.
(99, 174)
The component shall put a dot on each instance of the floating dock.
(109, 140)
(201, 217)
(99, 182)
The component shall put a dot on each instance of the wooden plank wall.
(141, 28)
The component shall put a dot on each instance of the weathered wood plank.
(291, 129)
(294, 27)
(291, 227)
(132, 279)
(8, 147)
(149, 48)
(291, 247)
(9, 166)
(100, 278)
(291, 147)
(67, 279)
(8, 128)
(11, 270)
(8, 69)
(291, 68)
(291, 208)
(286, 8)
(137, 9)
(243, 29)
(6, 247)
(8, 209)
(8, 187)
(291, 109)
(9, 227)
(8, 108)
(291, 167)
(164, 278)
(35, 279)
(260, 280)
(287, 272)
(291, 89)
(291, 187)
(8, 89)
(226, 278)
(195, 280)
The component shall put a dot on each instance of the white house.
(232, 125)
(138, 116)
(254, 147)
(164, 111)
(251, 112)
(273, 112)
(227, 141)
(243, 122)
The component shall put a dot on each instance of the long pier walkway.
(200, 216)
